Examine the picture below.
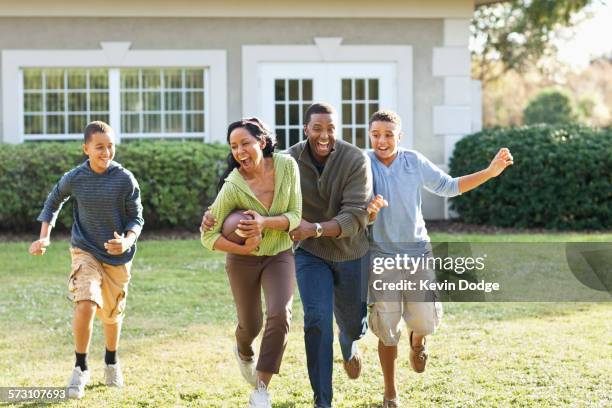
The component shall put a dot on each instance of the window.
(62, 101)
(292, 98)
(359, 101)
(153, 102)
(163, 102)
(86, 84)
(356, 90)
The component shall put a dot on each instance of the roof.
(483, 2)
(449, 9)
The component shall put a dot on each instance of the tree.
(551, 106)
(518, 33)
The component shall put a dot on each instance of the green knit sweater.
(236, 194)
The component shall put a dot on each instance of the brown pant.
(276, 275)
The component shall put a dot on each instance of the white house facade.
(184, 69)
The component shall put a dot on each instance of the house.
(184, 69)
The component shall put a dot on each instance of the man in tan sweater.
(336, 184)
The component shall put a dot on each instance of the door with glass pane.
(356, 90)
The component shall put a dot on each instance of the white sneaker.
(112, 375)
(77, 383)
(260, 398)
(247, 368)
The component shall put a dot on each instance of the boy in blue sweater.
(107, 222)
(398, 176)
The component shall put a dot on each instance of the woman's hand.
(251, 228)
(251, 244)
(208, 221)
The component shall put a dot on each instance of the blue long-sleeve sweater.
(103, 203)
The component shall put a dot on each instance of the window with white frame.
(292, 98)
(167, 102)
(359, 101)
(162, 102)
(62, 101)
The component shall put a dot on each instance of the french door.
(356, 90)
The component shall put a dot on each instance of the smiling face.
(384, 139)
(246, 149)
(321, 134)
(100, 148)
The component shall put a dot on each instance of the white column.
(114, 102)
(455, 118)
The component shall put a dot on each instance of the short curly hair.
(318, 107)
(97, 126)
(385, 116)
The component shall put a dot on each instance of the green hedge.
(177, 180)
(561, 178)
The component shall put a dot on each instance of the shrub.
(561, 178)
(177, 180)
(551, 107)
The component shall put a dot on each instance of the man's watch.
(318, 230)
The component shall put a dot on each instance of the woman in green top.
(267, 186)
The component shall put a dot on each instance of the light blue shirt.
(401, 227)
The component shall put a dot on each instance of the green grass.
(178, 334)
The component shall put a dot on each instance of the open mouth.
(245, 161)
(323, 145)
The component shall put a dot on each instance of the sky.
(589, 38)
(593, 36)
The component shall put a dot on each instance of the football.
(230, 226)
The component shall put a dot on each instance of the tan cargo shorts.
(421, 311)
(99, 282)
(385, 319)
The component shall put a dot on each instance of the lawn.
(178, 335)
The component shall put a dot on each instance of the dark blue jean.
(328, 289)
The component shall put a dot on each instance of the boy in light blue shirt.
(398, 176)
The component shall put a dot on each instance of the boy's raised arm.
(502, 159)
(436, 180)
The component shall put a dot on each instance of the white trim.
(451, 61)
(457, 90)
(476, 101)
(401, 55)
(19, 108)
(449, 146)
(114, 102)
(196, 135)
(62, 136)
(452, 120)
(456, 32)
(112, 55)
